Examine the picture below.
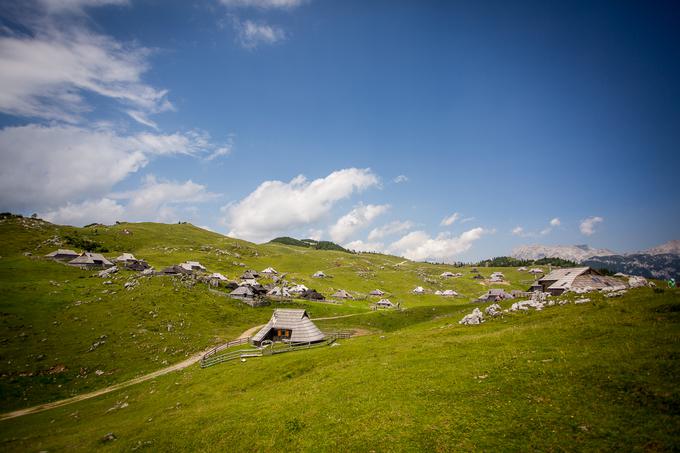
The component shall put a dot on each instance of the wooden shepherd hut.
(289, 325)
(88, 260)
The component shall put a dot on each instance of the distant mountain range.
(660, 262)
(672, 247)
(576, 253)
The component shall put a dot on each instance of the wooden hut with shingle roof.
(289, 325)
(88, 260)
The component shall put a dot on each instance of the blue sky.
(367, 123)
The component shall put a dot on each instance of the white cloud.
(47, 75)
(355, 220)
(142, 118)
(71, 6)
(389, 229)
(105, 211)
(155, 200)
(467, 219)
(401, 178)
(263, 4)
(223, 150)
(450, 220)
(519, 231)
(277, 207)
(588, 225)
(361, 246)
(46, 166)
(419, 246)
(252, 34)
(314, 234)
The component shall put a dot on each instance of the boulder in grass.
(637, 282)
(474, 318)
(109, 437)
(493, 310)
(108, 272)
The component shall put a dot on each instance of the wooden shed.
(342, 294)
(88, 260)
(289, 325)
(561, 280)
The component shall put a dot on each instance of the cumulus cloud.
(47, 75)
(47, 166)
(420, 246)
(263, 4)
(450, 220)
(105, 211)
(401, 178)
(588, 225)
(555, 222)
(252, 34)
(276, 207)
(518, 231)
(389, 229)
(361, 246)
(156, 200)
(355, 220)
(315, 234)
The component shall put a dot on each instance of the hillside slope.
(64, 331)
(591, 377)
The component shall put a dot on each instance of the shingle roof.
(62, 252)
(242, 291)
(563, 278)
(385, 303)
(91, 258)
(597, 282)
(303, 329)
(278, 291)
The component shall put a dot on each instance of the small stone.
(109, 437)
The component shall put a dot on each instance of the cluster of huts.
(559, 281)
(555, 282)
(91, 260)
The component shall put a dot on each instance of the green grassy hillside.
(597, 376)
(63, 331)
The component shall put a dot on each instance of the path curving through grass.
(147, 377)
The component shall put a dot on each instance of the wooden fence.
(213, 357)
(215, 350)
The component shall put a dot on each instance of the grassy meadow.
(595, 376)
